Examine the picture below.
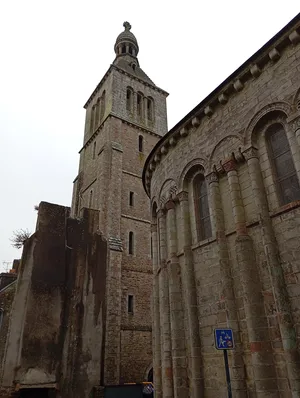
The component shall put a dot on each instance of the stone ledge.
(137, 328)
(285, 208)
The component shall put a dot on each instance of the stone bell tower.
(125, 117)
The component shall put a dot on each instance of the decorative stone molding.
(238, 79)
(184, 132)
(294, 37)
(229, 165)
(212, 177)
(156, 158)
(172, 141)
(223, 99)
(208, 111)
(163, 150)
(255, 70)
(152, 166)
(274, 55)
(250, 153)
(116, 147)
(170, 204)
(161, 212)
(183, 196)
(238, 85)
(195, 122)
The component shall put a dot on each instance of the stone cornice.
(144, 82)
(264, 58)
(111, 114)
(111, 67)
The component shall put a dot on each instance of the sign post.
(224, 341)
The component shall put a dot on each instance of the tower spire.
(126, 43)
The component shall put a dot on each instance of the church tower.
(125, 117)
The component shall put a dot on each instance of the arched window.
(92, 118)
(91, 199)
(94, 150)
(130, 50)
(129, 99)
(141, 143)
(149, 109)
(1, 317)
(130, 243)
(283, 165)
(102, 102)
(123, 49)
(97, 112)
(139, 104)
(201, 208)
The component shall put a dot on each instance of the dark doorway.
(150, 375)
(37, 393)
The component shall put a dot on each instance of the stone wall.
(246, 274)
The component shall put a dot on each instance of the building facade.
(80, 317)
(225, 197)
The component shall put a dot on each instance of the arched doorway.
(150, 375)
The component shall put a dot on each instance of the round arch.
(196, 164)
(282, 107)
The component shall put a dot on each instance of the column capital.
(170, 204)
(153, 227)
(229, 165)
(250, 153)
(212, 177)
(161, 212)
(183, 196)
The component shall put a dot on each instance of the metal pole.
(227, 374)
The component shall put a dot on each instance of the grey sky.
(54, 53)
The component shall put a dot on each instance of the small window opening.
(130, 50)
(129, 99)
(123, 49)
(151, 247)
(139, 105)
(91, 199)
(130, 243)
(94, 150)
(141, 143)
(149, 109)
(131, 198)
(130, 304)
(133, 66)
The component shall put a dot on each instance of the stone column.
(285, 319)
(156, 315)
(164, 307)
(227, 298)
(264, 375)
(190, 301)
(179, 361)
(294, 146)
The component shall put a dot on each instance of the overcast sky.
(54, 53)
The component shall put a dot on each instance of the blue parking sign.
(224, 339)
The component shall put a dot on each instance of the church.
(225, 199)
(170, 236)
(78, 316)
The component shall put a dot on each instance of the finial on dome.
(127, 26)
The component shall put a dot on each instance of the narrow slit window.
(131, 198)
(149, 109)
(94, 150)
(283, 165)
(139, 105)
(141, 143)
(130, 304)
(91, 199)
(129, 96)
(202, 208)
(130, 243)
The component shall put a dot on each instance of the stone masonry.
(225, 197)
(78, 318)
